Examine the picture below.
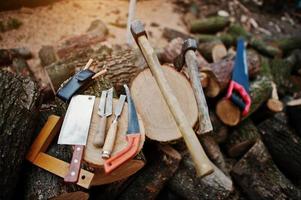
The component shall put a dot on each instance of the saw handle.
(126, 154)
(110, 140)
(242, 92)
(74, 168)
(99, 136)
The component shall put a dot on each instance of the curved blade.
(133, 124)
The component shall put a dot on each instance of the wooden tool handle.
(74, 168)
(100, 133)
(193, 71)
(203, 165)
(110, 140)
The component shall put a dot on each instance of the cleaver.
(75, 131)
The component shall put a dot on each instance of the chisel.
(110, 139)
(104, 111)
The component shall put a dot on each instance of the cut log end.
(157, 118)
(227, 112)
(275, 105)
(219, 52)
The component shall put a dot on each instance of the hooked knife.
(104, 111)
(75, 131)
(110, 139)
(132, 137)
(238, 89)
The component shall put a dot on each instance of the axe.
(203, 165)
(188, 56)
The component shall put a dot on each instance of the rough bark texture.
(213, 151)
(151, 179)
(242, 138)
(171, 34)
(7, 55)
(283, 144)
(259, 177)
(122, 66)
(209, 25)
(294, 115)
(281, 70)
(185, 183)
(47, 55)
(219, 129)
(18, 111)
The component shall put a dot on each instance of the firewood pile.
(256, 156)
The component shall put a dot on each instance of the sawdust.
(47, 25)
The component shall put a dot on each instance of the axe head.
(189, 44)
(137, 29)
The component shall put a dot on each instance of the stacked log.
(19, 110)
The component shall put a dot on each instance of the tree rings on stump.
(92, 155)
(227, 112)
(157, 118)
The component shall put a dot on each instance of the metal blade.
(102, 103)
(133, 124)
(109, 102)
(76, 123)
(119, 106)
(240, 73)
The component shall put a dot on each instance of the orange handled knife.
(132, 137)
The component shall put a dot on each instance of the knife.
(104, 110)
(132, 137)
(75, 131)
(238, 89)
(110, 139)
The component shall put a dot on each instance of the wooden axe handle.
(193, 71)
(203, 165)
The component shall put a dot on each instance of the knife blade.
(75, 131)
(105, 110)
(238, 89)
(111, 136)
(132, 137)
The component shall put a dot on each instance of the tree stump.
(19, 109)
(157, 118)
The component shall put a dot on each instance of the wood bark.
(259, 177)
(213, 151)
(7, 55)
(121, 66)
(185, 183)
(242, 138)
(220, 130)
(171, 34)
(212, 51)
(150, 180)
(283, 144)
(281, 70)
(294, 115)
(18, 111)
(236, 30)
(209, 25)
